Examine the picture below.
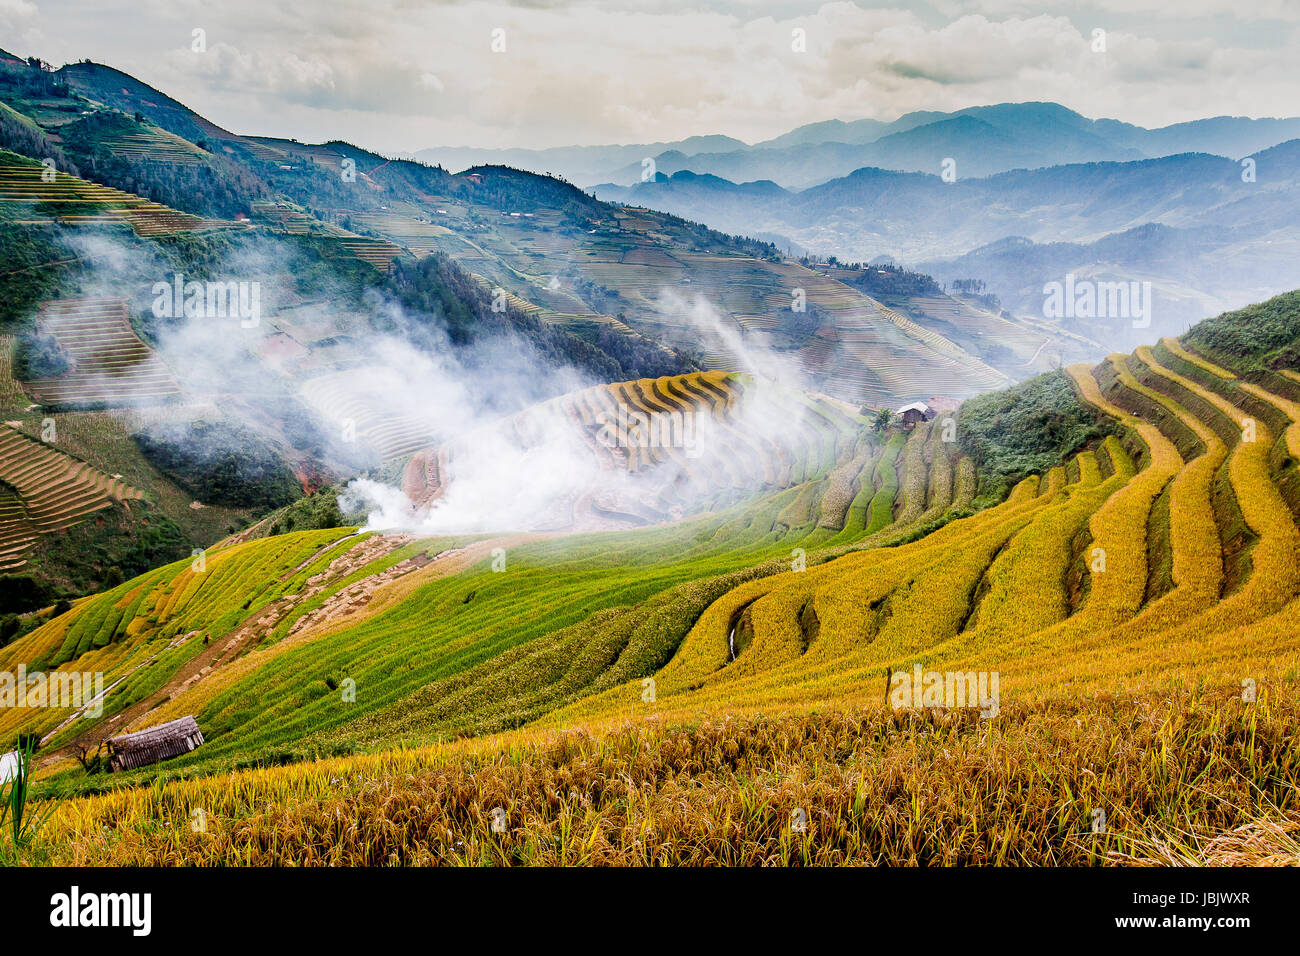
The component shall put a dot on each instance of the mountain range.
(1232, 225)
(981, 141)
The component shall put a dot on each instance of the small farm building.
(916, 412)
(150, 746)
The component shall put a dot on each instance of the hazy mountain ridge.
(1092, 215)
(982, 140)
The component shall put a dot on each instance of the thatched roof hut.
(146, 747)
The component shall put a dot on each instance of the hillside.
(1116, 545)
(359, 262)
(622, 280)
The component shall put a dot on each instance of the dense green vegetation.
(1266, 335)
(220, 462)
(1024, 430)
(310, 513)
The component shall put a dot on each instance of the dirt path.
(371, 595)
(1034, 358)
(232, 645)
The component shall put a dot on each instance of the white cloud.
(18, 20)
(397, 75)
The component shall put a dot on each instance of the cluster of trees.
(975, 288)
(220, 463)
(890, 280)
(38, 355)
(35, 79)
(310, 513)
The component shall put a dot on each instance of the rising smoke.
(313, 371)
(541, 469)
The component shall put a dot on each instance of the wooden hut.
(914, 414)
(150, 746)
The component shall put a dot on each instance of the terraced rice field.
(110, 366)
(1123, 600)
(278, 586)
(69, 199)
(980, 326)
(351, 400)
(292, 221)
(282, 150)
(43, 491)
(662, 448)
(379, 253)
(154, 144)
(1001, 590)
(421, 237)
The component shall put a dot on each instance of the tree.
(884, 418)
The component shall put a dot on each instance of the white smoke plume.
(538, 470)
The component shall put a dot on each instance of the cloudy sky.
(401, 75)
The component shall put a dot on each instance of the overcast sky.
(401, 75)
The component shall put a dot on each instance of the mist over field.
(528, 471)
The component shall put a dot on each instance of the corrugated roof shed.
(150, 746)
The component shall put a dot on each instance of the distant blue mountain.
(981, 140)
(1212, 236)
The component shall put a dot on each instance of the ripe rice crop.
(671, 694)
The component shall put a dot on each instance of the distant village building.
(915, 413)
(147, 747)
